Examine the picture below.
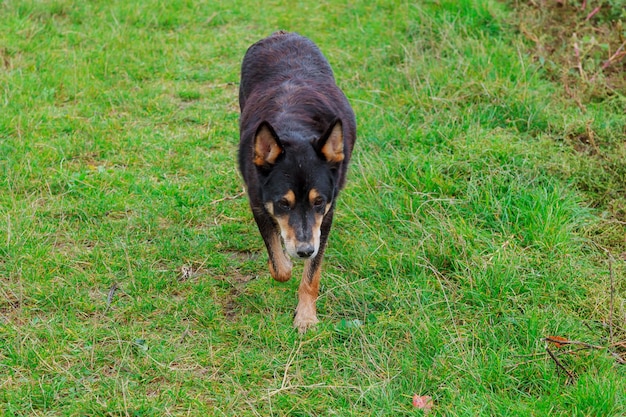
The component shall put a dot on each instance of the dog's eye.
(283, 203)
(318, 202)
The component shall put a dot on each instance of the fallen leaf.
(423, 402)
(556, 340)
(111, 293)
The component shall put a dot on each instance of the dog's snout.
(305, 250)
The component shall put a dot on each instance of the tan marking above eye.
(313, 196)
(290, 198)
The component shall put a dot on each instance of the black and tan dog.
(297, 131)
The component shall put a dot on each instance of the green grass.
(476, 221)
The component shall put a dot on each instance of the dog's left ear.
(331, 143)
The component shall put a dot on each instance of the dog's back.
(282, 57)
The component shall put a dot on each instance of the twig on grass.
(228, 197)
(560, 365)
(593, 13)
(617, 55)
(560, 341)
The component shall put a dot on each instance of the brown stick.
(560, 365)
(593, 13)
(584, 345)
(617, 55)
(572, 342)
(228, 197)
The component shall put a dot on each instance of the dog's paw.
(305, 319)
(283, 271)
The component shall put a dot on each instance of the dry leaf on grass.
(423, 402)
(556, 340)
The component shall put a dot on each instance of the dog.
(297, 132)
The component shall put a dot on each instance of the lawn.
(485, 212)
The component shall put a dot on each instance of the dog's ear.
(267, 147)
(330, 144)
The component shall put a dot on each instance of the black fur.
(290, 107)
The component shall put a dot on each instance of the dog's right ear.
(332, 143)
(267, 147)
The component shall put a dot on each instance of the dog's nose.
(305, 250)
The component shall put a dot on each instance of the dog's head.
(300, 180)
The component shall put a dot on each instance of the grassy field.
(485, 211)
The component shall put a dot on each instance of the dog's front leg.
(306, 312)
(279, 264)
